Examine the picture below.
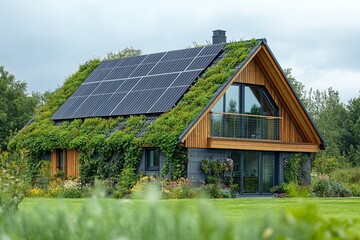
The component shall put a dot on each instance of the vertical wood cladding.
(252, 74)
(71, 163)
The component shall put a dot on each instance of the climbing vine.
(105, 153)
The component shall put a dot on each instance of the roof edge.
(221, 88)
(323, 144)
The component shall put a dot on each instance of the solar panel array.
(143, 84)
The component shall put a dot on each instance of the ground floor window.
(60, 160)
(152, 159)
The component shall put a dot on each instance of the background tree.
(329, 115)
(127, 52)
(350, 141)
(326, 110)
(16, 107)
(297, 86)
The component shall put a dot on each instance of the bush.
(13, 182)
(213, 190)
(58, 188)
(349, 177)
(327, 188)
(178, 189)
(72, 189)
(35, 192)
(324, 164)
(355, 189)
(346, 175)
(290, 190)
(127, 180)
(168, 189)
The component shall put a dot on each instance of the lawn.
(234, 210)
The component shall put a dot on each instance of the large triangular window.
(245, 111)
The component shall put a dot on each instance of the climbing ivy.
(105, 153)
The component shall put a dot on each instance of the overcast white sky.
(44, 41)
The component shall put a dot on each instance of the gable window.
(245, 111)
(152, 159)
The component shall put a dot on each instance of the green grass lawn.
(234, 210)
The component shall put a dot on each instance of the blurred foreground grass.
(242, 218)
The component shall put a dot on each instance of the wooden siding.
(199, 135)
(258, 145)
(53, 165)
(296, 131)
(71, 163)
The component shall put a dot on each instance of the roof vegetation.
(105, 153)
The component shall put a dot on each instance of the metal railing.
(234, 125)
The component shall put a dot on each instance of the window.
(232, 99)
(152, 159)
(246, 99)
(60, 160)
(240, 114)
(252, 100)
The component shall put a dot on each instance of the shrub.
(127, 180)
(13, 182)
(35, 192)
(324, 164)
(178, 189)
(226, 193)
(355, 189)
(290, 190)
(168, 189)
(72, 189)
(43, 178)
(349, 177)
(213, 190)
(327, 188)
(140, 187)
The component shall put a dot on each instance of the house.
(164, 113)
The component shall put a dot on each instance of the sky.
(42, 42)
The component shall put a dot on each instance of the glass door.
(268, 166)
(236, 157)
(251, 172)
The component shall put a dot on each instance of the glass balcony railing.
(234, 125)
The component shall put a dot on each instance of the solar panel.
(168, 99)
(153, 96)
(143, 84)
(75, 103)
(143, 70)
(201, 62)
(108, 106)
(186, 78)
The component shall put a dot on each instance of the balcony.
(234, 125)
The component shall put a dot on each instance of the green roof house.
(165, 113)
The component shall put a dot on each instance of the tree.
(16, 107)
(127, 52)
(329, 115)
(297, 86)
(351, 134)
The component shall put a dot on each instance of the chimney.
(219, 36)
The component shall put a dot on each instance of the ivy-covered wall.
(106, 154)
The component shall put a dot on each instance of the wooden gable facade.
(297, 133)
